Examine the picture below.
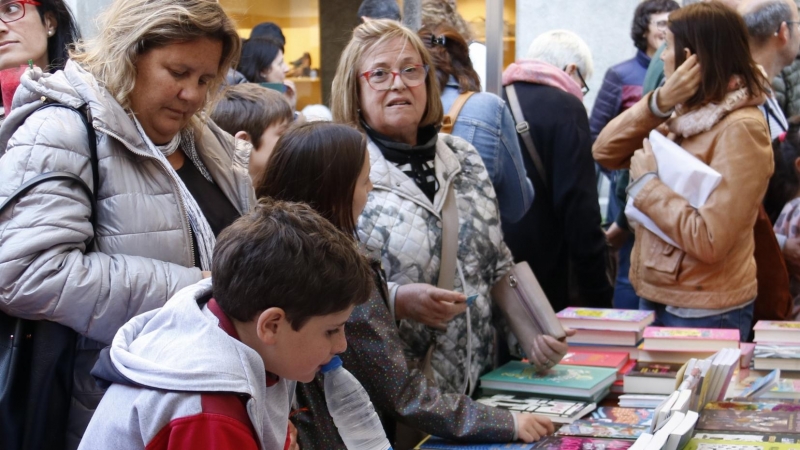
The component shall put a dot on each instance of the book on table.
(607, 337)
(777, 331)
(602, 429)
(642, 417)
(760, 405)
(748, 421)
(436, 443)
(682, 433)
(561, 381)
(746, 437)
(558, 411)
(697, 339)
(661, 436)
(651, 378)
(786, 388)
(595, 359)
(762, 385)
(671, 356)
(605, 319)
(582, 443)
(702, 444)
(776, 356)
(641, 400)
(631, 350)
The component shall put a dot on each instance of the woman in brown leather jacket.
(708, 106)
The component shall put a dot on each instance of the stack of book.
(620, 362)
(678, 345)
(777, 345)
(606, 330)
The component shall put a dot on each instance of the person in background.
(784, 194)
(41, 31)
(262, 62)
(216, 367)
(169, 179)
(709, 105)
(773, 27)
(622, 88)
(786, 87)
(484, 121)
(384, 87)
(268, 30)
(379, 9)
(435, 12)
(327, 166)
(257, 115)
(562, 231)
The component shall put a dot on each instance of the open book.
(689, 177)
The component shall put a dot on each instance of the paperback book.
(607, 337)
(605, 319)
(785, 389)
(748, 421)
(582, 443)
(651, 378)
(698, 339)
(436, 443)
(559, 411)
(631, 350)
(777, 331)
(776, 356)
(762, 385)
(642, 417)
(701, 444)
(595, 359)
(747, 437)
(574, 382)
(602, 429)
(763, 405)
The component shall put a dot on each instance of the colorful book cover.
(556, 410)
(616, 315)
(582, 443)
(748, 421)
(747, 437)
(435, 443)
(700, 444)
(779, 351)
(776, 325)
(656, 370)
(785, 386)
(602, 429)
(595, 359)
(762, 385)
(573, 377)
(632, 416)
(719, 334)
(755, 406)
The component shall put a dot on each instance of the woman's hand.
(680, 86)
(428, 305)
(547, 351)
(643, 161)
(616, 236)
(292, 437)
(531, 427)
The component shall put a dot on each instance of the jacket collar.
(642, 59)
(387, 176)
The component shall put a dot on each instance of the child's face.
(259, 156)
(299, 355)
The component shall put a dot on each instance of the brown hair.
(251, 108)
(317, 163)
(450, 55)
(435, 12)
(345, 92)
(286, 255)
(717, 34)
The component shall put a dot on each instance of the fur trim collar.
(700, 120)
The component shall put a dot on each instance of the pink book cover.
(700, 334)
(747, 354)
(776, 325)
(594, 359)
(616, 315)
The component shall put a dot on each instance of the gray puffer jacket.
(400, 220)
(787, 88)
(142, 248)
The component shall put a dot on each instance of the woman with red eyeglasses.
(33, 30)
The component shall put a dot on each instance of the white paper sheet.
(689, 177)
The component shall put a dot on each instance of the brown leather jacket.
(716, 268)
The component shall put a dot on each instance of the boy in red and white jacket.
(215, 368)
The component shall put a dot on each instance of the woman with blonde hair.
(169, 180)
(384, 86)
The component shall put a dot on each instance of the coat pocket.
(661, 256)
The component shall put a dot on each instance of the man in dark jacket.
(562, 228)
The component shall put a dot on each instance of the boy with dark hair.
(216, 366)
(257, 115)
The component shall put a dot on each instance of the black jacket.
(562, 228)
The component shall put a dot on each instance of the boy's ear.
(269, 324)
(243, 135)
(797, 164)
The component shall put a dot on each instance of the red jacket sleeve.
(204, 431)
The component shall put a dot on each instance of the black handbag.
(37, 357)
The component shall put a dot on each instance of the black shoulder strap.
(524, 130)
(67, 176)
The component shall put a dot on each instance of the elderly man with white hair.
(563, 225)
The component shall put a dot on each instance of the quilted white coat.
(400, 220)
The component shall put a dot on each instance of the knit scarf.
(197, 220)
(416, 161)
(689, 123)
(539, 72)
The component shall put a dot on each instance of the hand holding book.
(532, 427)
(548, 351)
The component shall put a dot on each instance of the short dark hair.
(379, 9)
(641, 19)
(285, 255)
(66, 33)
(268, 30)
(450, 54)
(718, 36)
(251, 108)
(766, 19)
(258, 54)
(317, 163)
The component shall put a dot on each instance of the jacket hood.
(181, 347)
(540, 72)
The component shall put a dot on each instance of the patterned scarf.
(202, 230)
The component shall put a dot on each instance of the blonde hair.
(367, 37)
(130, 28)
(437, 12)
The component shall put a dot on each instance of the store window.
(474, 12)
(299, 21)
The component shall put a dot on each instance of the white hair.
(561, 48)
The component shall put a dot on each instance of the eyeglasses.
(788, 22)
(412, 75)
(661, 24)
(584, 86)
(13, 11)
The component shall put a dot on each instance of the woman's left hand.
(643, 161)
(547, 351)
